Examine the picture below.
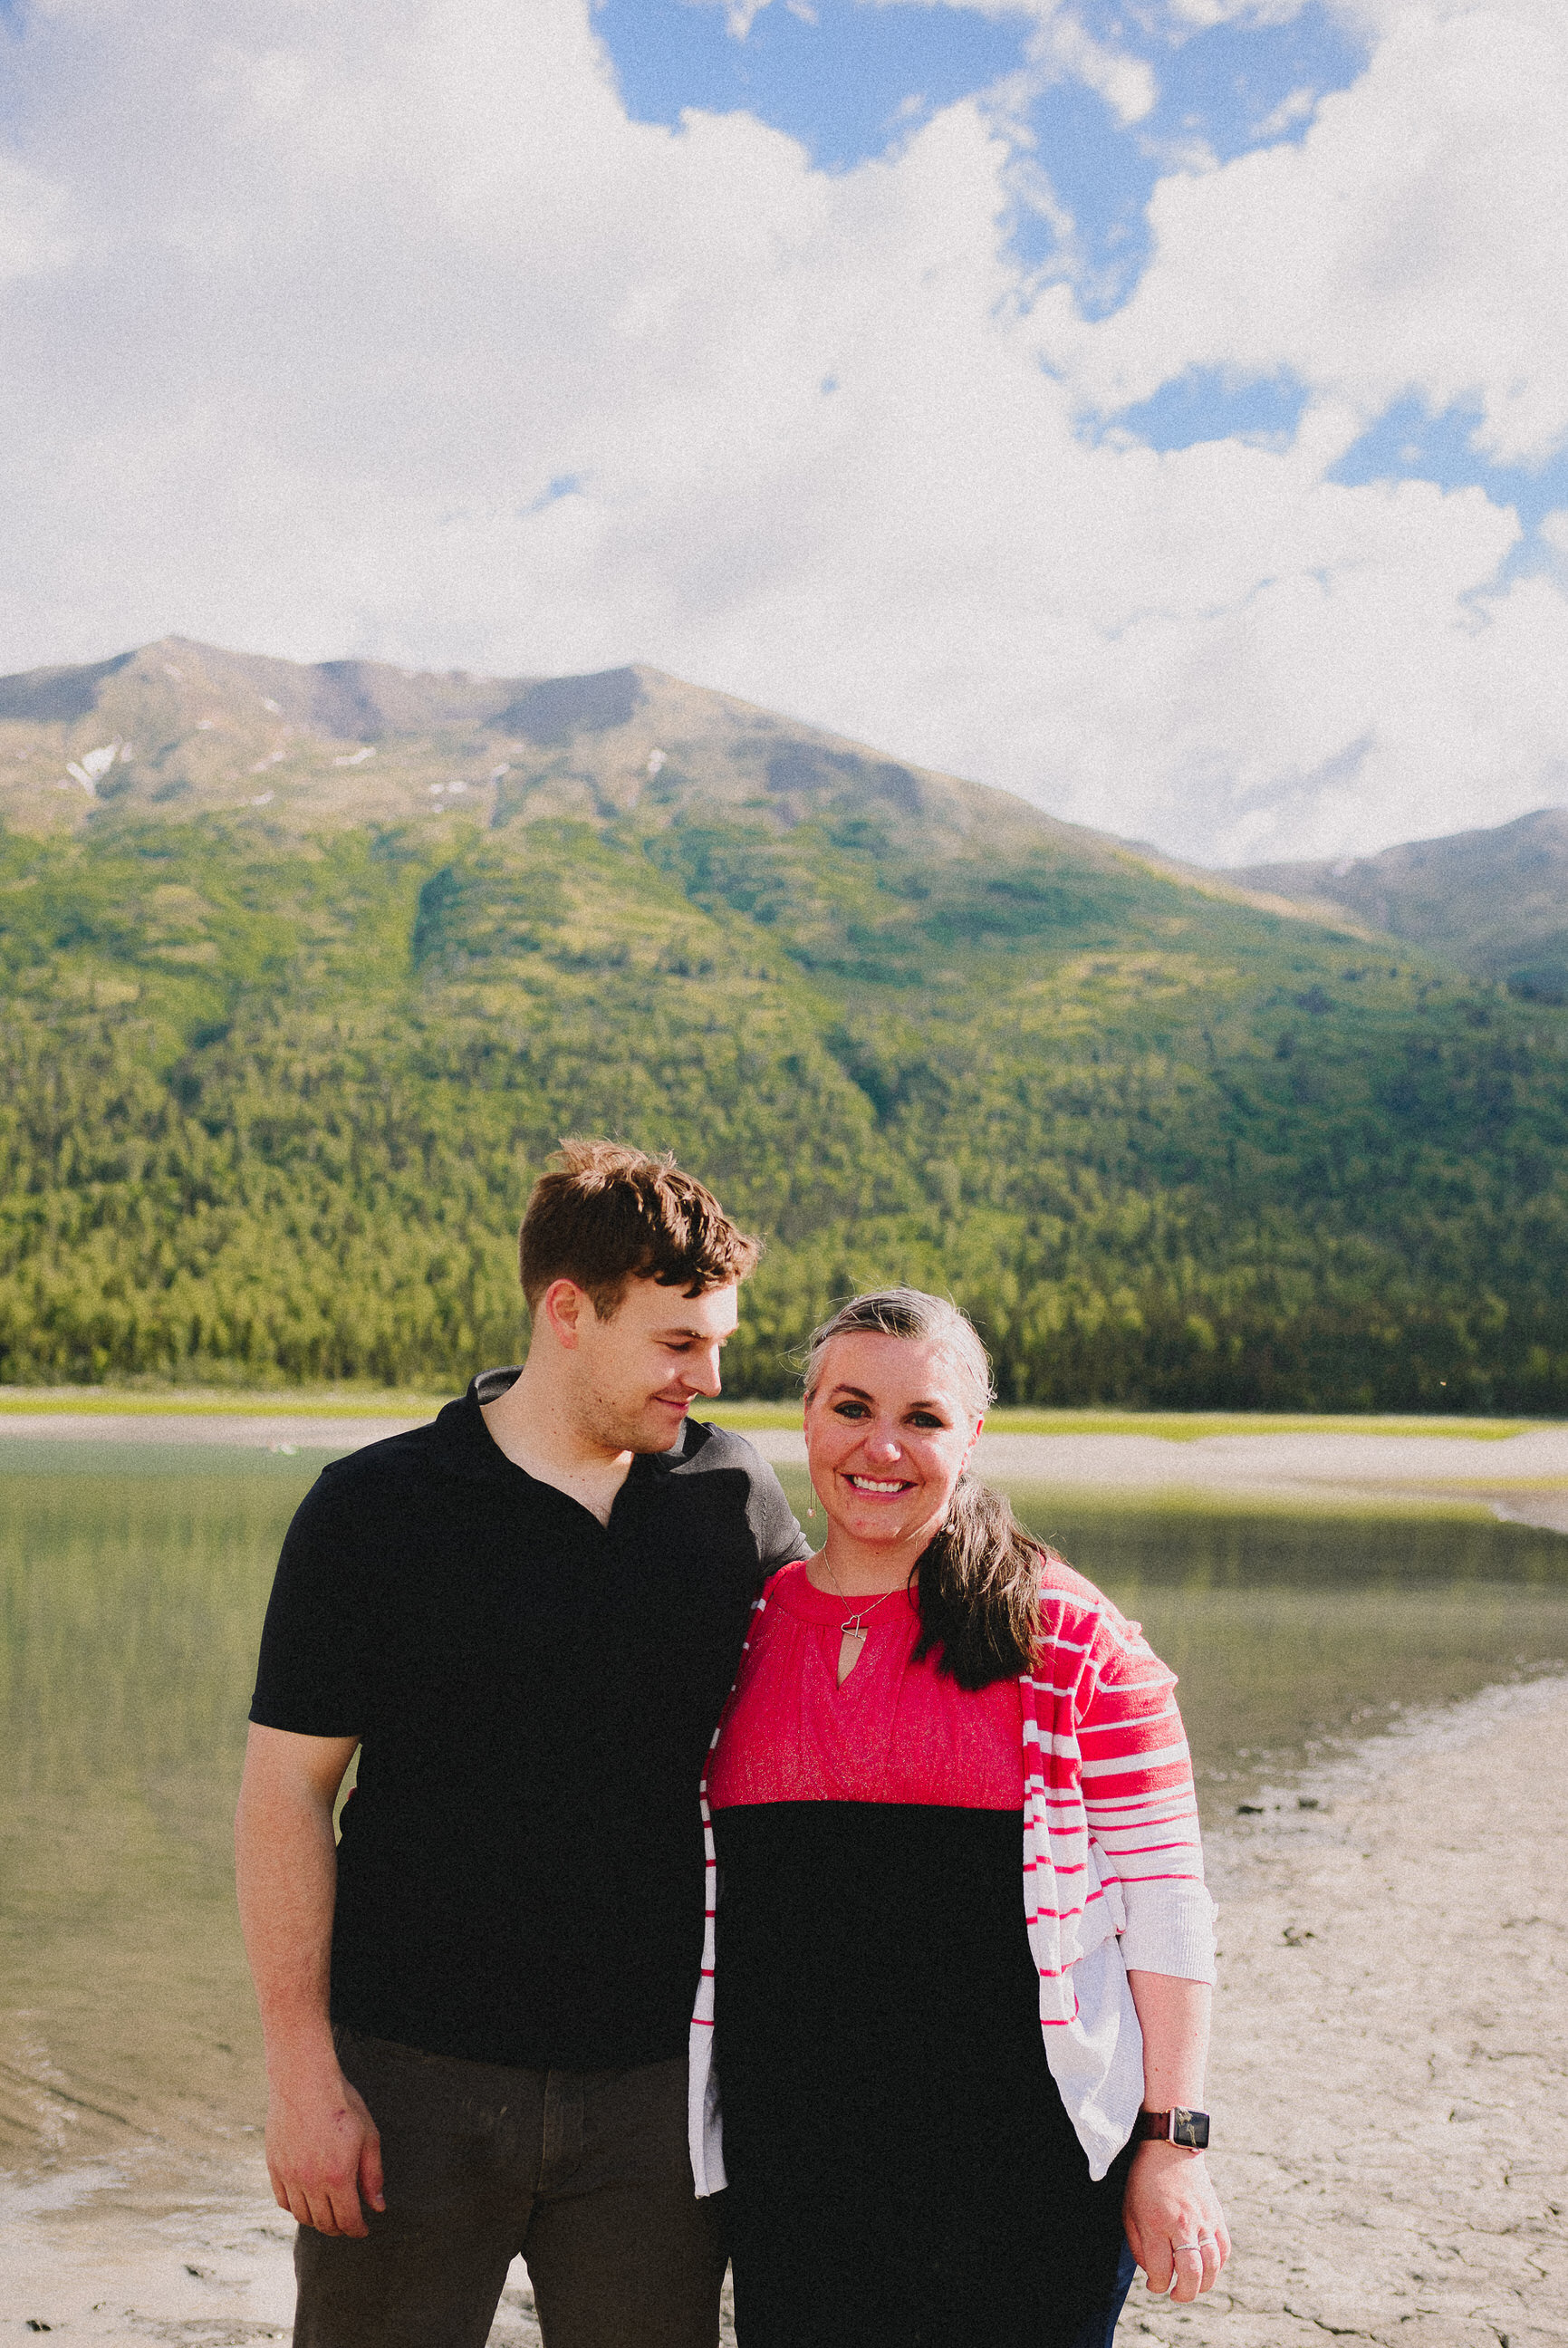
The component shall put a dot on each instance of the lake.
(132, 1583)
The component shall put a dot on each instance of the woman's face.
(888, 1433)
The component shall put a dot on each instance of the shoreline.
(414, 1403)
(1521, 1477)
(1387, 2084)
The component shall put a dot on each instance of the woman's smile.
(888, 1433)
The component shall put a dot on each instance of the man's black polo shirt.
(520, 1874)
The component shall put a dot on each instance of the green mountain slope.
(276, 1077)
(1493, 901)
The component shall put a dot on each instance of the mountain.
(180, 729)
(289, 1023)
(1493, 901)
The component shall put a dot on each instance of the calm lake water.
(132, 1583)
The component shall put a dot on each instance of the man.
(525, 1618)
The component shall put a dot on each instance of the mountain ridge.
(195, 729)
(1492, 900)
(179, 729)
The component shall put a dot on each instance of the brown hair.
(978, 1584)
(605, 1214)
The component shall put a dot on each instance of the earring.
(811, 1504)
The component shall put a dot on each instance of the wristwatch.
(1177, 2126)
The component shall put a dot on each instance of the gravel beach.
(1391, 2048)
(1390, 2088)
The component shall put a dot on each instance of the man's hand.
(322, 2152)
(1173, 2220)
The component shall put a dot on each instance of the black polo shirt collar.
(466, 1446)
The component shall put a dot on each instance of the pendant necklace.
(854, 1624)
(849, 1628)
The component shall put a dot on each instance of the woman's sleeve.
(1143, 1806)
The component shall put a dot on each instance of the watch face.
(1191, 2128)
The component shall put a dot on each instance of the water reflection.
(1292, 1635)
(133, 1584)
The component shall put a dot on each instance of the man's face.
(639, 1371)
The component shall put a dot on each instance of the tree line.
(268, 1110)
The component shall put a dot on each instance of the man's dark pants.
(586, 2173)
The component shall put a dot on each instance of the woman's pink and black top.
(915, 2018)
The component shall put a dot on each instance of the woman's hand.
(1173, 2218)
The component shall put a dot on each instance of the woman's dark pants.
(1100, 2331)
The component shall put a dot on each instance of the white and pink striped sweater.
(1112, 1865)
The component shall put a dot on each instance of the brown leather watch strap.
(1181, 2126)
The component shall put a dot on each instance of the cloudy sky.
(1159, 408)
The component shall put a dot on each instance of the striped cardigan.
(1112, 1875)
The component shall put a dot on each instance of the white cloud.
(1411, 242)
(1202, 16)
(1296, 106)
(33, 222)
(1127, 83)
(336, 292)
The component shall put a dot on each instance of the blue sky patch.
(1104, 177)
(848, 85)
(1408, 444)
(848, 79)
(1238, 87)
(1205, 404)
(1222, 91)
(564, 485)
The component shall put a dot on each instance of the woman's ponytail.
(979, 1590)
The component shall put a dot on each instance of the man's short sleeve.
(779, 1538)
(312, 1676)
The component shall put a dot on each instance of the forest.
(272, 1103)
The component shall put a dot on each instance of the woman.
(931, 2085)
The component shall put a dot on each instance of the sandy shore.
(246, 1430)
(1389, 2090)
(105, 2260)
(1391, 2057)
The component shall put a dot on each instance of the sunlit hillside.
(291, 1019)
